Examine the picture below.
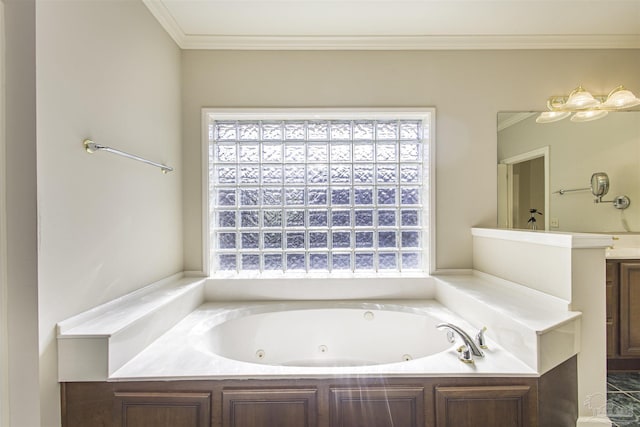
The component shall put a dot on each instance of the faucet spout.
(468, 341)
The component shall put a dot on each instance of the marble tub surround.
(95, 343)
(188, 340)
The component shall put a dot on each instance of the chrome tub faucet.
(469, 348)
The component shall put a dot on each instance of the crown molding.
(391, 42)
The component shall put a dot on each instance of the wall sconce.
(586, 107)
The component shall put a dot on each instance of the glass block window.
(318, 196)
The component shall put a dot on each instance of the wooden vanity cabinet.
(623, 314)
(547, 401)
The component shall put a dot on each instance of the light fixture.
(586, 107)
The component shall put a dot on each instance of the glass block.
(272, 174)
(318, 239)
(272, 218)
(363, 152)
(319, 261)
(272, 240)
(318, 131)
(340, 131)
(363, 130)
(387, 130)
(410, 130)
(271, 131)
(341, 261)
(386, 196)
(387, 174)
(363, 174)
(294, 174)
(364, 218)
(363, 196)
(387, 239)
(318, 174)
(225, 131)
(294, 131)
(386, 218)
(340, 218)
(317, 153)
(271, 153)
(296, 262)
(227, 240)
(250, 262)
(226, 174)
(410, 217)
(226, 197)
(250, 240)
(248, 131)
(340, 153)
(294, 196)
(410, 152)
(249, 218)
(364, 239)
(249, 153)
(318, 218)
(226, 153)
(295, 218)
(410, 174)
(387, 261)
(273, 262)
(341, 239)
(294, 153)
(364, 261)
(249, 174)
(386, 153)
(410, 196)
(340, 196)
(411, 261)
(410, 239)
(341, 174)
(272, 196)
(226, 219)
(249, 197)
(295, 240)
(226, 262)
(317, 196)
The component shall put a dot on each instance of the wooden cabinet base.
(548, 401)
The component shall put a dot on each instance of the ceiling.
(400, 24)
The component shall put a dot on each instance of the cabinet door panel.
(269, 408)
(630, 309)
(612, 319)
(150, 409)
(377, 407)
(495, 406)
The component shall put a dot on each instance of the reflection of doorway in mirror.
(523, 185)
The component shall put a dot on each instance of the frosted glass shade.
(580, 99)
(587, 116)
(552, 116)
(621, 98)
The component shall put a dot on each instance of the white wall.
(577, 150)
(108, 225)
(467, 88)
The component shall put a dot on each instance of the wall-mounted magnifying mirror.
(599, 184)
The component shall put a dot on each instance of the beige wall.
(467, 88)
(21, 216)
(108, 225)
(577, 150)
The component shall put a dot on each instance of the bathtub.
(314, 339)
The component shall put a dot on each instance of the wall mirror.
(545, 172)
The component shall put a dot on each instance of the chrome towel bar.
(92, 147)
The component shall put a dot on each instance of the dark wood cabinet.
(547, 401)
(153, 409)
(377, 407)
(496, 406)
(269, 407)
(623, 314)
